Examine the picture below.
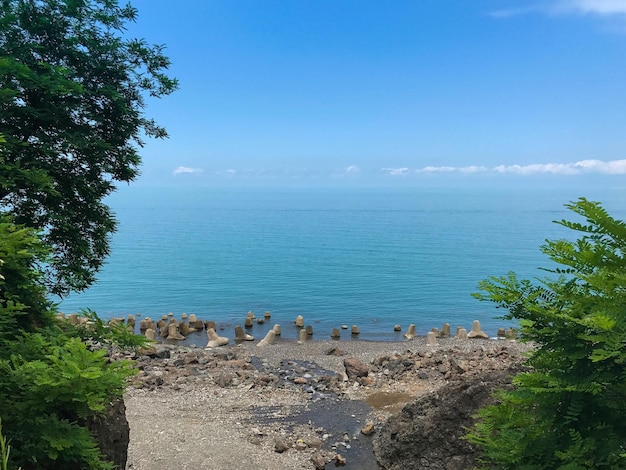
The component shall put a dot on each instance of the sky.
(395, 93)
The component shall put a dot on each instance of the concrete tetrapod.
(215, 340)
(269, 339)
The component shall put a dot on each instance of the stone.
(269, 339)
(260, 320)
(335, 333)
(150, 334)
(355, 330)
(355, 368)
(431, 339)
(477, 332)
(445, 331)
(461, 334)
(340, 460)
(368, 429)
(241, 335)
(428, 432)
(410, 333)
(215, 340)
(309, 330)
(299, 321)
(335, 352)
(510, 334)
(173, 333)
(170, 314)
(300, 381)
(344, 327)
(397, 328)
(267, 315)
(276, 329)
(318, 460)
(281, 444)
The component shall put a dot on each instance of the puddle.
(337, 418)
(391, 402)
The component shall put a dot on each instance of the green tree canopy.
(72, 90)
(569, 410)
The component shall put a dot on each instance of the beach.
(287, 405)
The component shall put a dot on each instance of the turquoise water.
(369, 257)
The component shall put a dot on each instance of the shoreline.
(227, 407)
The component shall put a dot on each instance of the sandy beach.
(286, 405)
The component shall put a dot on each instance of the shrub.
(569, 410)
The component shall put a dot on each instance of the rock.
(461, 334)
(355, 368)
(355, 330)
(335, 352)
(267, 315)
(436, 331)
(224, 379)
(410, 334)
(248, 323)
(260, 321)
(397, 328)
(299, 321)
(185, 329)
(150, 334)
(335, 333)
(281, 444)
(300, 381)
(309, 330)
(368, 429)
(250, 315)
(427, 432)
(501, 333)
(276, 330)
(301, 445)
(344, 327)
(445, 331)
(319, 461)
(112, 432)
(340, 460)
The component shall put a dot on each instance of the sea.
(374, 258)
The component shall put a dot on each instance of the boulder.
(355, 368)
(427, 432)
(112, 432)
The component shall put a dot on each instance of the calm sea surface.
(368, 257)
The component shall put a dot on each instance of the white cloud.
(565, 7)
(614, 167)
(396, 171)
(181, 170)
(453, 169)
(595, 7)
(352, 170)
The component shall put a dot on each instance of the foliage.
(569, 410)
(23, 302)
(50, 381)
(72, 89)
(95, 330)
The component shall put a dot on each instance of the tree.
(568, 411)
(72, 91)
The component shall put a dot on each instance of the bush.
(50, 381)
(569, 410)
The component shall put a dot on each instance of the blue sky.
(372, 93)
